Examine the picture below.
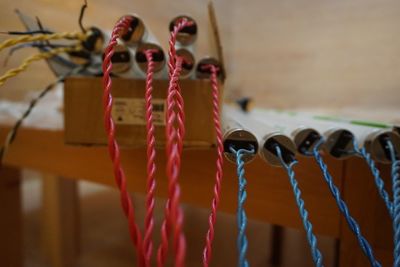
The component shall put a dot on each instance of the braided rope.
(174, 141)
(353, 225)
(41, 56)
(207, 251)
(395, 173)
(173, 211)
(380, 184)
(171, 66)
(311, 238)
(42, 37)
(151, 165)
(12, 134)
(242, 243)
(121, 26)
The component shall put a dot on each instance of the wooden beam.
(369, 210)
(270, 195)
(11, 232)
(60, 225)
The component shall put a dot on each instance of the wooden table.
(270, 197)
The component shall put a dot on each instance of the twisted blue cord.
(380, 184)
(312, 240)
(241, 214)
(396, 203)
(353, 225)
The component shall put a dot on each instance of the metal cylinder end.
(268, 152)
(305, 140)
(188, 61)
(95, 41)
(121, 59)
(158, 56)
(202, 72)
(240, 139)
(376, 145)
(339, 143)
(188, 34)
(136, 31)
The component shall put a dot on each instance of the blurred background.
(326, 55)
(338, 57)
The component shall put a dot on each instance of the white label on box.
(131, 111)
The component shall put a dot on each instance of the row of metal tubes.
(298, 135)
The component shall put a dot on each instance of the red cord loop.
(121, 26)
(211, 68)
(175, 131)
(184, 20)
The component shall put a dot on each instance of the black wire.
(13, 132)
(40, 25)
(83, 8)
(28, 32)
(33, 45)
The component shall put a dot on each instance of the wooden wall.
(339, 56)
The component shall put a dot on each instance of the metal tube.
(376, 144)
(188, 35)
(123, 61)
(372, 135)
(136, 32)
(305, 138)
(184, 45)
(149, 41)
(237, 137)
(96, 41)
(338, 140)
(158, 59)
(93, 46)
(189, 62)
(267, 136)
(202, 72)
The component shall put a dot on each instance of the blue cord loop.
(395, 173)
(353, 225)
(312, 240)
(241, 214)
(380, 184)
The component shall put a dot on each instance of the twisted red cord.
(121, 26)
(207, 252)
(173, 212)
(151, 165)
(171, 65)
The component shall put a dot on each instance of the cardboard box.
(83, 106)
(83, 109)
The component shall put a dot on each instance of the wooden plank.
(60, 221)
(270, 195)
(369, 210)
(11, 232)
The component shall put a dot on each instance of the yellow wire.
(45, 55)
(43, 37)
